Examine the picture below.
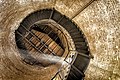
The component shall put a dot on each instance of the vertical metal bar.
(19, 38)
(45, 28)
(56, 38)
(84, 55)
(30, 42)
(58, 72)
(44, 44)
(59, 34)
(60, 19)
(53, 52)
(51, 14)
(78, 70)
(55, 75)
(60, 76)
(36, 36)
(50, 32)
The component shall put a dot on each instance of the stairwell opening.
(41, 39)
(48, 32)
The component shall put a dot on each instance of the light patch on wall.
(21, 1)
(93, 27)
(0, 1)
(42, 0)
(103, 64)
(118, 1)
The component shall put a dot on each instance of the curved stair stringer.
(82, 50)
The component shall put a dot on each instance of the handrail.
(85, 6)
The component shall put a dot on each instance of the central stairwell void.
(48, 32)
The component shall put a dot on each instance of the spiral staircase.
(33, 37)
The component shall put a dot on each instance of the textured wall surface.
(100, 22)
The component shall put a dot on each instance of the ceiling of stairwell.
(100, 22)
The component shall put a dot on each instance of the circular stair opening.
(46, 37)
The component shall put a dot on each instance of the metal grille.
(43, 41)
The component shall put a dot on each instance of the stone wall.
(100, 22)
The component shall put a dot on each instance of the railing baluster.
(40, 40)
